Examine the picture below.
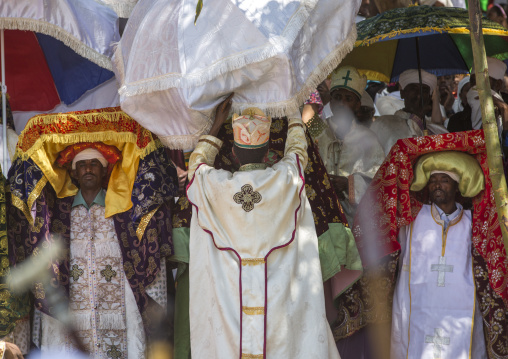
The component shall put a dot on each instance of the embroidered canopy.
(141, 179)
(272, 54)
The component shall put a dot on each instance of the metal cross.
(438, 340)
(347, 78)
(441, 268)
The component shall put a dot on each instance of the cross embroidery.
(113, 352)
(441, 268)
(347, 78)
(108, 273)
(247, 197)
(438, 340)
(76, 272)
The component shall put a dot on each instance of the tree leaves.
(199, 6)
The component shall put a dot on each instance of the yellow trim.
(252, 261)
(252, 356)
(2, 349)
(474, 310)
(72, 138)
(444, 234)
(19, 204)
(374, 75)
(144, 223)
(254, 310)
(409, 287)
(449, 30)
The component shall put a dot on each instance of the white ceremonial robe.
(102, 304)
(256, 289)
(434, 304)
(357, 157)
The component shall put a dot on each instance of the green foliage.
(199, 6)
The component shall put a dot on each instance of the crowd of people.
(263, 242)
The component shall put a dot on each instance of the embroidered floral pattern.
(247, 197)
(113, 352)
(75, 272)
(108, 273)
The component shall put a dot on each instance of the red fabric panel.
(389, 204)
(29, 81)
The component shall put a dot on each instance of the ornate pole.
(494, 154)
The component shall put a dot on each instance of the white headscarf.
(411, 77)
(89, 154)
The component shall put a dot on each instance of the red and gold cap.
(252, 129)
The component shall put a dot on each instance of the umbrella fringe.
(60, 34)
(289, 107)
(122, 9)
(278, 45)
(274, 109)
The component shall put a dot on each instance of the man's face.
(345, 98)
(89, 174)
(463, 93)
(444, 83)
(412, 101)
(442, 189)
(495, 85)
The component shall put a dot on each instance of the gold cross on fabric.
(113, 352)
(108, 273)
(76, 272)
(247, 197)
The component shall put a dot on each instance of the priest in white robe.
(255, 280)
(435, 312)
(350, 151)
(408, 122)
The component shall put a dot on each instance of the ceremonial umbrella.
(64, 51)
(435, 39)
(271, 54)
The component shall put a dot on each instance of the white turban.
(452, 175)
(89, 154)
(411, 77)
(497, 68)
(461, 84)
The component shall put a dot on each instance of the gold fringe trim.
(72, 138)
(59, 33)
(252, 356)
(252, 261)
(254, 310)
(35, 194)
(456, 30)
(144, 223)
(19, 204)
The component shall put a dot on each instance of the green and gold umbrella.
(436, 37)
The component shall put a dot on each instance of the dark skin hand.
(89, 174)
(445, 84)
(12, 351)
(341, 185)
(221, 115)
(501, 109)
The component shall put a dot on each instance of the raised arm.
(296, 142)
(209, 145)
